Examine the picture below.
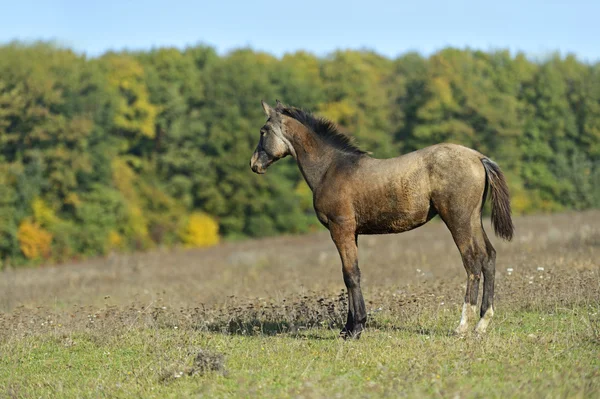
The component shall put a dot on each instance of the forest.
(135, 150)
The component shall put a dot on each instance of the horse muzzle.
(260, 161)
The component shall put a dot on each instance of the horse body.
(354, 194)
(395, 195)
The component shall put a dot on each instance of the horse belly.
(393, 223)
(397, 219)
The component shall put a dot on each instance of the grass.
(527, 354)
(181, 324)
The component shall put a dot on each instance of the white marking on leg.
(464, 320)
(485, 321)
(474, 310)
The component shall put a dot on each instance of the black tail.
(501, 220)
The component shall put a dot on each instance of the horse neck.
(314, 155)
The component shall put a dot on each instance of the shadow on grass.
(315, 331)
(418, 330)
(257, 327)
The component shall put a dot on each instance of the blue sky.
(278, 26)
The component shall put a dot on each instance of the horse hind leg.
(469, 238)
(487, 302)
(473, 260)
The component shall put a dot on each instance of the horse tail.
(501, 219)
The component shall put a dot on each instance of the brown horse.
(354, 194)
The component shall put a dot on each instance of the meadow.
(260, 318)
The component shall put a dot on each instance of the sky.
(390, 28)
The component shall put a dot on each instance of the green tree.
(357, 98)
(547, 137)
(126, 150)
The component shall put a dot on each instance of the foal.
(354, 194)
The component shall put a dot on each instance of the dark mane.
(324, 128)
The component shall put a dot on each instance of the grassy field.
(260, 319)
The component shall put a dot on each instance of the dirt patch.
(205, 361)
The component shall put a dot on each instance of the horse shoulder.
(333, 198)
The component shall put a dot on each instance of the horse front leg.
(346, 244)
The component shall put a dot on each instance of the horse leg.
(469, 238)
(473, 268)
(346, 244)
(487, 302)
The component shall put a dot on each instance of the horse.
(356, 194)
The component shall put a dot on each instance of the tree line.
(133, 150)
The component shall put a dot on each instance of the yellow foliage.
(341, 112)
(200, 231)
(303, 65)
(115, 240)
(520, 203)
(306, 196)
(138, 224)
(42, 213)
(134, 113)
(34, 241)
(442, 90)
(123, 179)
(73, 199)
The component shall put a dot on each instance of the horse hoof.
(481, 328)
(461, 330)
(346, 334)
(484, 322)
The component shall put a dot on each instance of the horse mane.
(322, 127)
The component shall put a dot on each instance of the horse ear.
(267, 108)
(279, 107)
